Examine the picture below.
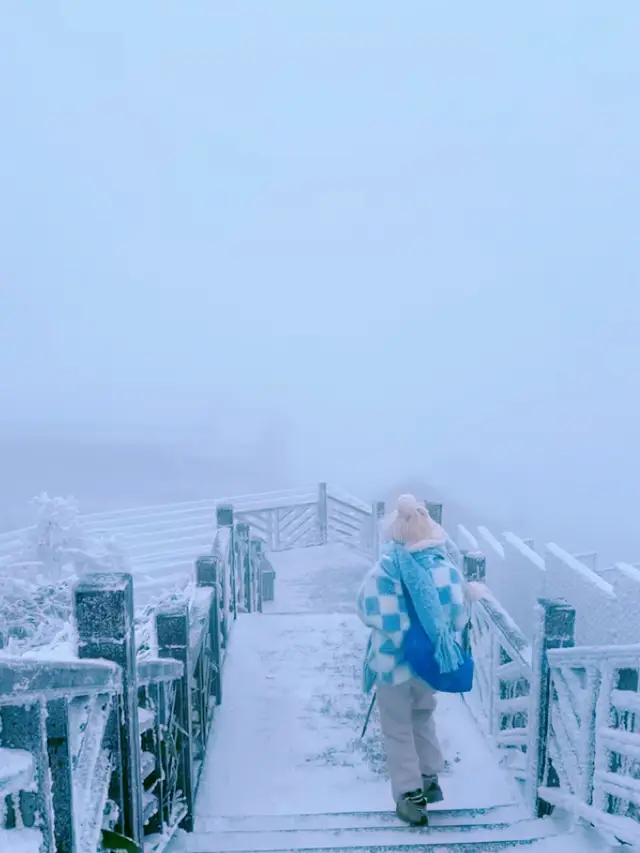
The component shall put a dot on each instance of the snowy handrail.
(124, 737)
(347, 520)
(156, 670)
(501, 695)
(510, 636)
(25, 680)
(57, 717)
(299, 519)
(593, 737)
(512, 690)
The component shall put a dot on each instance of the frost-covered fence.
(606, 600)
(502, 694)
(512, 695)
(114, 740)
(566, 716)
(602, 617)
(57, 718)
(311, 517)
(350, 521)
(594, 737)
(161, 542)
(516, 576)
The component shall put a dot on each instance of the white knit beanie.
(410, 523)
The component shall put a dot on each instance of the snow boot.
(431, 789)
(412, 808)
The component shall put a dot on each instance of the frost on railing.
(60, 715)
(594, 737)
(501, 696)
(115, 739)
(284, 520)
(513, 699)
(311, 518)
(350, 522)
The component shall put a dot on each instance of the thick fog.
(367, 242)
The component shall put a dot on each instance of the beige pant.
(409, 732)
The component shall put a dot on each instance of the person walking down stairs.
(418, 563)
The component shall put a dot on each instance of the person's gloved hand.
(475, 590)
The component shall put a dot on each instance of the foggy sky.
(408, 231)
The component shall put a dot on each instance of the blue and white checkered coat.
(381, 605)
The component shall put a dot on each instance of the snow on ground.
(287, 736)
(286, 740)
(581, 840)
(317, 580)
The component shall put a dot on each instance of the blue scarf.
(417, 578)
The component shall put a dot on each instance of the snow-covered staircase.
(493, 828)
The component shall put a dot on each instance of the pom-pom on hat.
(407, 506)
(410, 522)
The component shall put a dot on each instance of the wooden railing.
(114, 741)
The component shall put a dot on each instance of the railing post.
(243, 555)
(435, 511)
(61, 766)
(224, 515)
(377, 514)
(474, 569)
(268, 581)
(257, 558)
(207, 575)
(104, 615)
(474, 566)
(555, 629)
(323, 518)
(224, 518)
(172, 628)
(157, 694)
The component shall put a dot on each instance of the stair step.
(436, 837)
(490, 816)
(16, 771)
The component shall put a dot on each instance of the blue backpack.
(419, 653)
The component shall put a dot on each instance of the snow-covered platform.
(287, 768)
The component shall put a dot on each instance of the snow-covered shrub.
(37, 582)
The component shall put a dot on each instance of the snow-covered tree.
(35, 604)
